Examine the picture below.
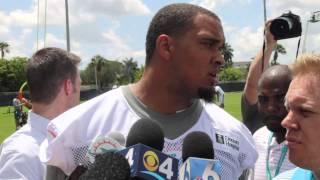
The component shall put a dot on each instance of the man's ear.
(68, 86)
(164, 46)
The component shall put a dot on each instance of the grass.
(232, 102)
(7, 126)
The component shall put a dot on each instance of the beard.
(207, 94)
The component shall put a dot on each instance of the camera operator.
(262, 104)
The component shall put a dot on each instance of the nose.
(272, 106)
(220, 58)
(289, 122)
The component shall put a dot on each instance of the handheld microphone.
(109, 165)
(144, 145)
(198, 154)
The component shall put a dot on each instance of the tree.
(227, 53)
(102, 72)
(97, 61)
(130, 68)
(12, 73)
(231, 74)
(278, 49)
(4, 47)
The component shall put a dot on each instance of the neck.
(280, 136)
(162, 99)
(51, 110)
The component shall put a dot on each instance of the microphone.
(198, 155)
(144, 144)
(109, 165)
(147, 132)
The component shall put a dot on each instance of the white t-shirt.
(261, 138)
(19, 158)
(72, 132)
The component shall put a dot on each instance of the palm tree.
(4, 47)
(130, 68)
(227, 52)
(278, 49)
(98, 62)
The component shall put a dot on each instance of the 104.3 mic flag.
(148, 163)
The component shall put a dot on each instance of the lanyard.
(284, 150)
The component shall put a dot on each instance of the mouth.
(292, 142)
(213, 78)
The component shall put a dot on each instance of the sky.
(116, 29)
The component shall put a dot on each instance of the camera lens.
(281, 26)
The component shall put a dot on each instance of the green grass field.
(7, 127)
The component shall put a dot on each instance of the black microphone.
(146, 132)
(144, 144)
(198, 155)
(197, 144)
(109, 165)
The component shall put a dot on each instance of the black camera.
(288, 25)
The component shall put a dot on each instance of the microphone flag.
(148, 163)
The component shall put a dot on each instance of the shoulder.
(21, 143)
(94, 109)
(222, 119)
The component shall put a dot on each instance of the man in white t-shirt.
(183, 58)
(268, 94)
(54, 83)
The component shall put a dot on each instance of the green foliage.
(139, 74)
(104, 71)
(130, 67)
(227, 52)
(4, 48)
(12, 73)
(231, 74)
(279, 49)
(107, 73)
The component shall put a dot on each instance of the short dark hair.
(46, 71)
(174, 20)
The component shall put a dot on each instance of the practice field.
(7, 127)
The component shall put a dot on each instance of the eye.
(209, 44)
(304, 112)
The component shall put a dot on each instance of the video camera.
(288, 25)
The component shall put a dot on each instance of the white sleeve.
(17, 165)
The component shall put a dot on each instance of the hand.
(270, 41)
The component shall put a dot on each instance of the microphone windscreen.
(197, 144)
(108, 166)
(147, 132)
(118, 137)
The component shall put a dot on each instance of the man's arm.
(255, 70)
(249, 99)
